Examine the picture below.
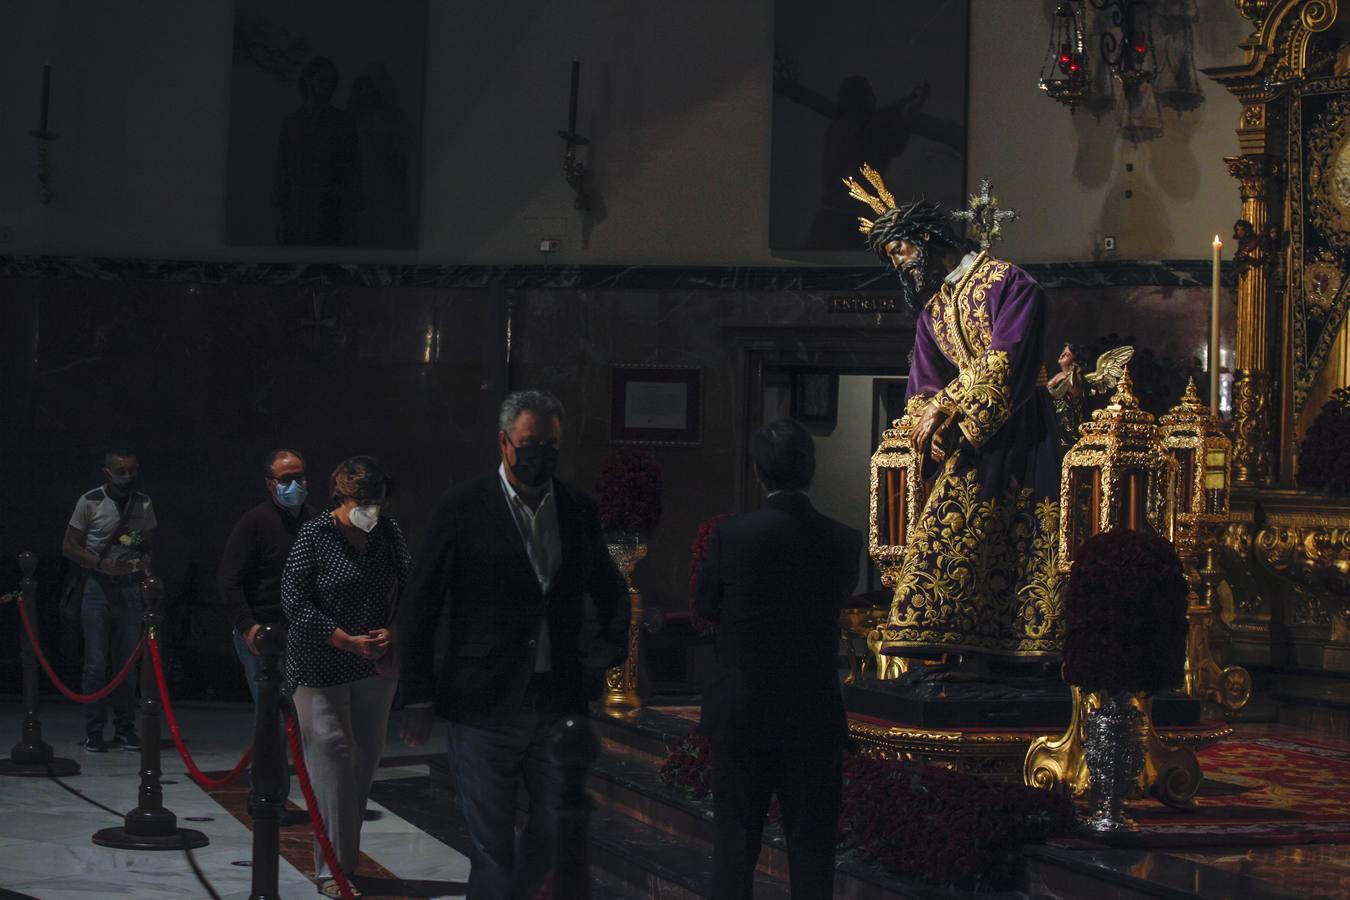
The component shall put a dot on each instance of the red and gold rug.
(1258, 790)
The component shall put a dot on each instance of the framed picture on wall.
(656, 405)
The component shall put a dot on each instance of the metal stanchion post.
(32, 756)
(575, 748)
(266, 801)
(150, 826)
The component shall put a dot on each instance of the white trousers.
(343, 729)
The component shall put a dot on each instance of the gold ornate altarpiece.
(1286, 553)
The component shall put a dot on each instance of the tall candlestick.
(46, 94)
(1214, 334)
(572, 104)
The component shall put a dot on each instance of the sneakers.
(126, 740)
(94, 743)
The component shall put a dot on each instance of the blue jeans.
(489, 762)
(251, 666)
(112, 616)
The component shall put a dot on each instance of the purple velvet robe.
(979, 573)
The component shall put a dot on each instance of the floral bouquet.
(696, 552)
(917, 821)
(688, 768)
(944, 828)
(1324, 455)
(1125, 615)
(629, 489)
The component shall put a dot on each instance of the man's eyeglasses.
(289, 479)
(541, 445)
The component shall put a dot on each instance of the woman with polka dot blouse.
(339, 593)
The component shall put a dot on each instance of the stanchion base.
(182, 838)
(57, 767)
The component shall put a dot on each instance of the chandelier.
(1064, 77)
(1143, 60)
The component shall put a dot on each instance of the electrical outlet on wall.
(1108, 243)
(550, 245)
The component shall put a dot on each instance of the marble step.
(642, 859)
(1056, 873)
(625, 784)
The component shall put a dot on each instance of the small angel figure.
(1250, 248)
(1070, 386)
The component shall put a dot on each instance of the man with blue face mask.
(255, 555)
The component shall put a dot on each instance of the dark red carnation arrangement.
(917, 821)
(696, 553)
(944, 828)
(688, 768)
(629, 490)
(1324, 455)
(1125, 615)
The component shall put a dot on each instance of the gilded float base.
(1228, 686)
(1171, 772)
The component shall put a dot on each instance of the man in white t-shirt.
(109, 536)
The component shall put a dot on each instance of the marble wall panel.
(204, 377)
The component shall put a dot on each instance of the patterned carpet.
(1260, 790)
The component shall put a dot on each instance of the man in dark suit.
(773, 582)
(507, 561)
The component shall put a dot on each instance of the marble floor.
(46, 850)
(415, 843)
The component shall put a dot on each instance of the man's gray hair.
(543, 404)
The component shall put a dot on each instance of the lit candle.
(1214, 334)
(46, 94)
(572, 105)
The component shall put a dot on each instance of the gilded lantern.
(1118, 475)
(897, 497)
(1192, 436)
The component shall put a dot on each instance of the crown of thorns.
(916, 220)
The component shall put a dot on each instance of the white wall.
(840, 487)
(676, 97)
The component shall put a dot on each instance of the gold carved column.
(1276, 54)
(1257, 176)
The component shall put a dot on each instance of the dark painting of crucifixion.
(875, 81)
(325, 123)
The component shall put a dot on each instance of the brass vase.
(1115, 751)
(622, 687)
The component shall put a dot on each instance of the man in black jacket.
(249, 577)
(507, 560)
(773, 582)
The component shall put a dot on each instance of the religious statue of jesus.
(979, 573)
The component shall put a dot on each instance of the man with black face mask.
(109, 536)
(507, 560)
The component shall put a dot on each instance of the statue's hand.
(933, 420)
(944, 441)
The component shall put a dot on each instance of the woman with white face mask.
(340, 594)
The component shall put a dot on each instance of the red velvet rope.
(210, 784)
(51, 673)
(320, 830)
